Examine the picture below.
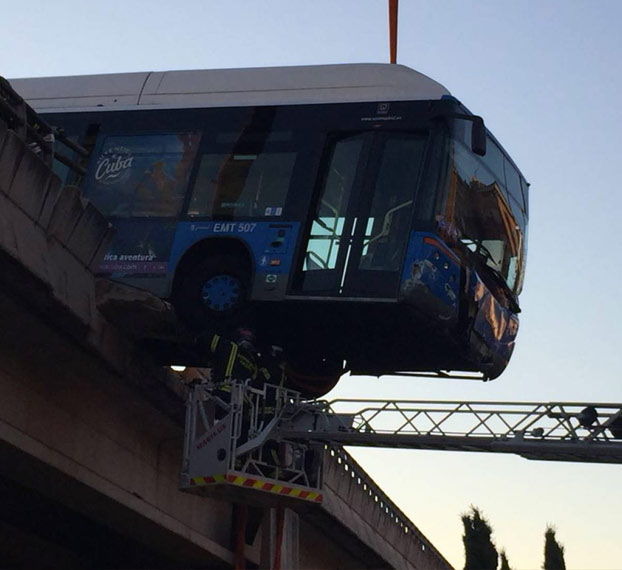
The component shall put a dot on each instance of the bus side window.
(141, 175)
(240, 185)
(203, 191)
(513, 184)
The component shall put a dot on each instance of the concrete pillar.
(282, 526)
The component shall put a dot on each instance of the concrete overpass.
(91, 427)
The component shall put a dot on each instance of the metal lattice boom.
(588, 432)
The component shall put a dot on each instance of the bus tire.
(213, 293)
(312, 375)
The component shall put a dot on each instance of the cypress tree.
(505, 565)
(479, 550)
(553, 551)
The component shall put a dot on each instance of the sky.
(545, 75)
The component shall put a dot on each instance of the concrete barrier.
(54, 233)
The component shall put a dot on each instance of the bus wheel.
(313, 376)
(213, 292)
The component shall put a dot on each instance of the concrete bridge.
(91, 427)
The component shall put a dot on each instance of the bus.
(357, 215)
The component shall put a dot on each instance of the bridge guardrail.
(342, 460)
(21, 118)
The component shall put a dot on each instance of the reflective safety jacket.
(231, 362)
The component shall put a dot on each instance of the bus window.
(525, 188)
(513, 183)
(242, 185)
(141, 176)
(490, 223)
(494, 160)
(328, 223)
(389, 218)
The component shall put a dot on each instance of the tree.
(505, 565)
(479, 550)
(553, 551)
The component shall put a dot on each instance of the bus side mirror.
(478, 136)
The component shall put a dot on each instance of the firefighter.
(233, 360)
(240, 360)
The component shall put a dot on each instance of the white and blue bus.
(358, 215)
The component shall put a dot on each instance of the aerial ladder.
(255, 443)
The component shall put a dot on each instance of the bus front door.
(362, 217)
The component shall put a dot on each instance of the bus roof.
(341, 83)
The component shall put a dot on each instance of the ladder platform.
(238, 486)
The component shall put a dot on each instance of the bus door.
(362, 217)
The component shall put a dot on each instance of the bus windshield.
(486, 209)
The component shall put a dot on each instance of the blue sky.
(545, 75)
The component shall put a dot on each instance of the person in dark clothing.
(233, 360)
